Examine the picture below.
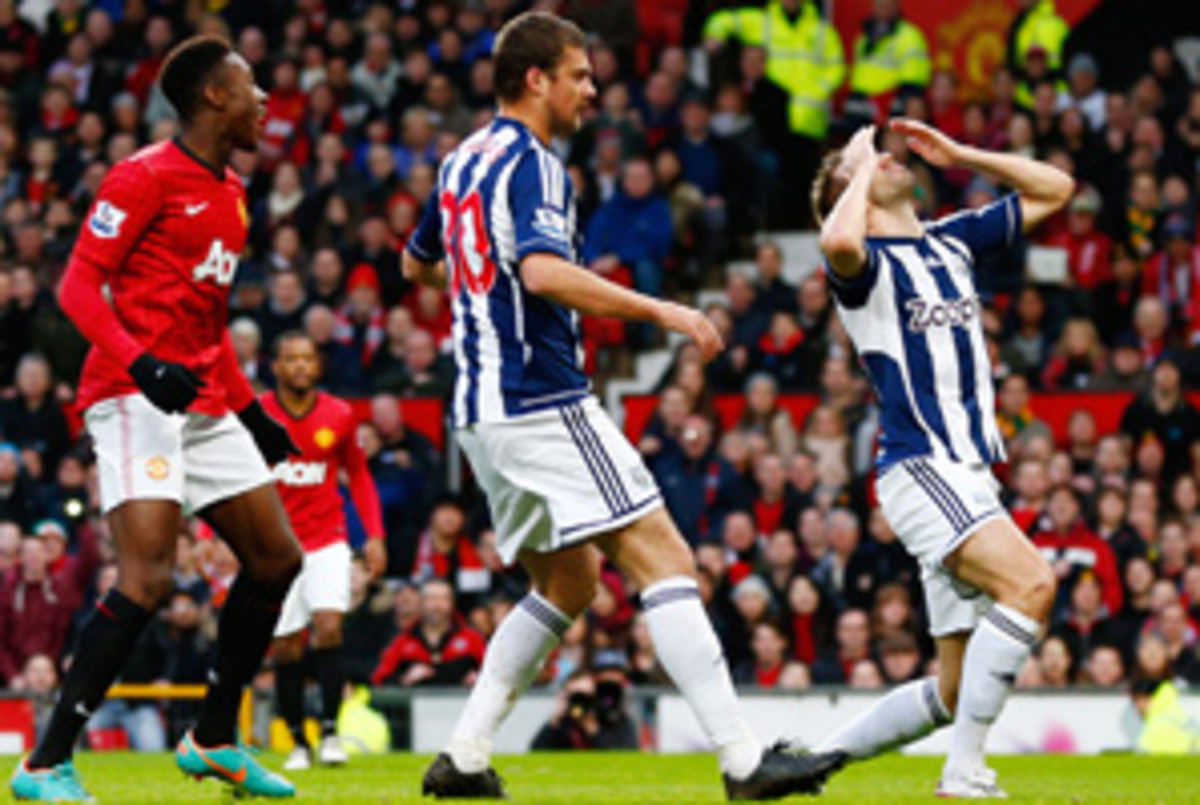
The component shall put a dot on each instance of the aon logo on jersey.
(300, 473)
(953, 313)
(220, 265)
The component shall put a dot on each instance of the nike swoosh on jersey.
(195, 209)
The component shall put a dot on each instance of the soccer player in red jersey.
(324, 428)
(158, 390)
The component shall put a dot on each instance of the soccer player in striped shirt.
(906, 295)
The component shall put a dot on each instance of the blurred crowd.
(703, 138)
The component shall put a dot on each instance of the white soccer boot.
(978, 784)
(332, 753)
(299, 760)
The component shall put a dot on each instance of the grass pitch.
(576, 778)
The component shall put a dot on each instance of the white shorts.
(323, 585)
(933, 505)
(144, 453)
(558, 477)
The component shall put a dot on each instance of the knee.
(147, 585)
(289, 650)
(327, 633)
(279, 569)
(571, 595)
(1037, 592)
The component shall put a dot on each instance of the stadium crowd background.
(704, 136)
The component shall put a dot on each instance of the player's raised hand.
(273, 439)
(695, 325)
(171, 387)
(930, 144)
(860, 147)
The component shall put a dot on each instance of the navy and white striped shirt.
(501, 195)
(914, 316)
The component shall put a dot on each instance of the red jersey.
(164, 234)
(308, 483)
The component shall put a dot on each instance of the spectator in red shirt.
(440, 649)
(444, 551)
(284, 137)
(1071, 548)
(1078, 358)
(853, 644)
(1089, 251)
(771, 666)
(35, 612)
(1032, 483)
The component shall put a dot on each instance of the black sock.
(245, 630)
(327, 664)
(105, 642)
(289, 696)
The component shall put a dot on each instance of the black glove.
(170, 386)
(273, 440)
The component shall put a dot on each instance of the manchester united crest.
(158, 468)
(324, 438)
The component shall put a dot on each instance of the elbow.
(1064, 188)
(535, 277)
(837, 246)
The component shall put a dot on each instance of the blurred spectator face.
(696, 438)
(385, 414)
(1166, 379)
(399, 325)
(437, 605)
(769, 646)
(660, 92)
(158, 35)
(673, 408)
(1111, 508)
(287, 292)
(1031, 308)
(1020, 133)
(1045, 98)
(825, 423)
(802, 472)
(1110, 455)
(695, 118)
(406, 605)
(1172, 624)
(1191, 583)
(1055, 661)
(420, 352)
(813, 533)
(10, 465)
(380, 164)
(184, 613)
(741, 294)
(327, 269)
(378, 53)
(368, 439)
(1081, 428)
(738, 533)
(768, 472)
(836, 379)
(843, 532)
(735, 449)
(711, 559)
(1144, 191)
(769, 260)
(893, 608)
(637, 180)
(320, 323)
(886, 10)
(1085, 597)
(865, 675)
(421, 181)
(246, 339)
(752, 599)
(1063, 509)
(286, 180)
(33, 378)
(10, 545)
(33, 560)
(1014, 395)
(781, 550)
(1163, 594)
(40, 675)
(901, 662)
(753, 63)
(814, 295)
(1173, 547)
(1139, 577)
(1148, 133)
(1059, 469)
(853, 633)
(252, 44)
(1150, 457)
(803, 596)
(1105, 667)
(448, 519)
(1033, 482)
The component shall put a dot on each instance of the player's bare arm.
(570, 285)
(423, 273)
(844, 233)
(1042, 188)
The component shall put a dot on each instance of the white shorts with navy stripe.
(558, 477)
(933, 505)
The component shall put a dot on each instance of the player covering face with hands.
(175, 423)
(906, 295)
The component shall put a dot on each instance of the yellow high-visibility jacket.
(899, 59)
(1042, 26)
(806, 58)
(1168, 729)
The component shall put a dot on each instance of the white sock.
(994, 657)
(514, 657)
(907, 713)
(689, 652)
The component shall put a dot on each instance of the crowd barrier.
(1075, 721)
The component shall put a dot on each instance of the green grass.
(573, 779)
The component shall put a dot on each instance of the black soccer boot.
(784, 771)
(444, 781)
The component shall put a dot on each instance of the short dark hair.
(827, 186)
(532, 39)
(288, 336)
(187, 70)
